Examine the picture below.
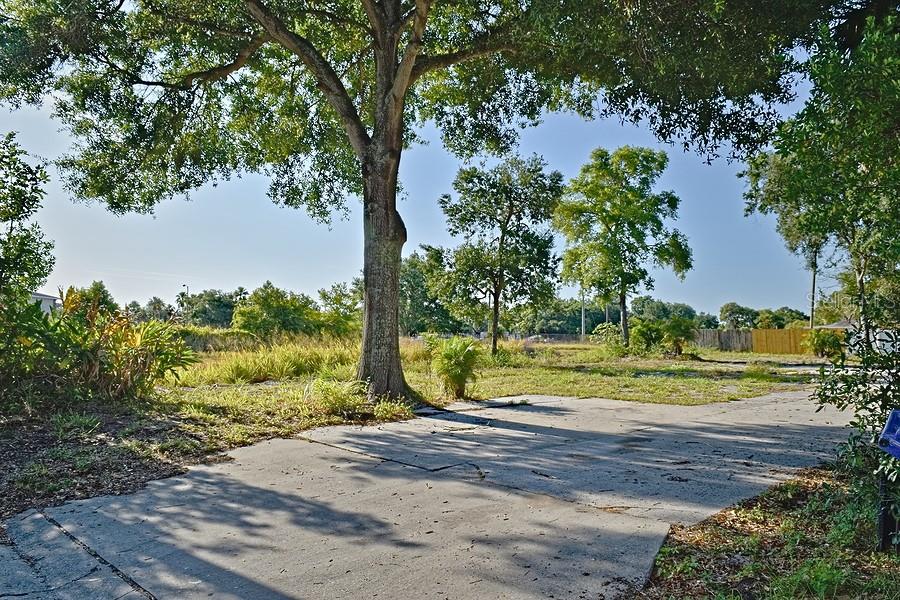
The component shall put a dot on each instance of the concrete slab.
(553, 497)
(49, 564)
(675, 463)
(291, 519)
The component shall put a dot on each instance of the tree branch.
(403, 76)
(189, 81)
(329, 82)
(222, 71)
(376, 18)
(488, 44)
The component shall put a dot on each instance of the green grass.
(50, 453)
(806, 538)
(579, 370)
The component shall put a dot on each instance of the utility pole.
(582, 315)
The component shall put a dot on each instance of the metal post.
(582, 315)
(887, 523)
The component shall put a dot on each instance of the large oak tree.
(163, 96)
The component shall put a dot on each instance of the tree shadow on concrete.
(315, 516)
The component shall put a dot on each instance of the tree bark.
(624, 318)
(864, 321)
(384, 235)
(812, 301)
(495, 322)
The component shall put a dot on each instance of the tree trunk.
(495, 322)
(624, 318)
(384, 235)
(812, 302)
(865, 324)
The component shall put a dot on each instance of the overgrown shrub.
(677, 333)
(646, 334)
(454, 364)
(870, 390)
(825, 343)
(270, 310)
(609, 337)
(83, 352)
(345, 399)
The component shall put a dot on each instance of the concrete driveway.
(553, 498)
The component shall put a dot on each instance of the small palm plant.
(677, 333)
(454, 363)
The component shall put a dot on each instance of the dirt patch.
(90, 453)
(807, 537)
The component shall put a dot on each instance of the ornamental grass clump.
(454, 364)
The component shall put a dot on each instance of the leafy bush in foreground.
(646, 334)
(454, 364)
(79, 353)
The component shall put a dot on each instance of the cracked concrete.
(551, 498)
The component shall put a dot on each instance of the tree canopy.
(421, 311)
(164, 96)
(616, 226)
(834, 176)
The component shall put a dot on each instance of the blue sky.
(232, 235)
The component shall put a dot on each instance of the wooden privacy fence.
(763, 341)
(734, 340)
(779, 341)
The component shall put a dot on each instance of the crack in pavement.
(116, 570)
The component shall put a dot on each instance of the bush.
(85, 353)
(677, 333)
(646, 335)
(871, 390)
(825, 343)
(270, 310)
(454, 363)
(609, 336)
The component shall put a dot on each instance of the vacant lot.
(52, 453)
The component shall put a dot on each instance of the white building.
(48, 303)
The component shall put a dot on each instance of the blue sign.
(890, 437)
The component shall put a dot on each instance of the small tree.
(734, 316)
(803, 228)
(269, 310)
(341, 306)
(504, 214)
(421, 310)
(615, 225)
(25, 259)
